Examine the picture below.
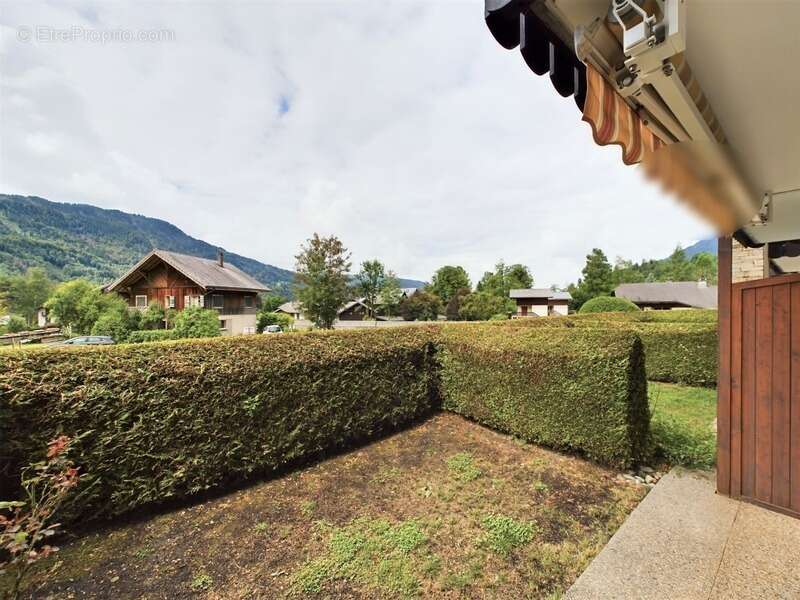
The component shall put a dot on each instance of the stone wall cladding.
(748, 263)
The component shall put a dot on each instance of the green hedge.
(160, 421)
(151, 335)
(676, 352)
(578, 389)
(604, 304)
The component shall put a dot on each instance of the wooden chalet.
(177, 281)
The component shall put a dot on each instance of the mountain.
(79, 240)
(709, 246)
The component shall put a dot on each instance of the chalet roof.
(688, 293)
(544, 293)
(289, 308)
(206, 273)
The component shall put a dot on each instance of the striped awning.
(614, 122)
(700, 173)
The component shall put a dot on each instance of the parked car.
(273, 329)
(89, 340)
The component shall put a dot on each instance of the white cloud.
(401, 127)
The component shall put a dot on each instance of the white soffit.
(783, 223)
(746, 56)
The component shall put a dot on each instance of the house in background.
(540, 302)
(293, 310)
(177, 281)
(669, 295)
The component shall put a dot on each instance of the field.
(446, 509)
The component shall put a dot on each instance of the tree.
(422, 306)
(370, 282)
(24, 294)
(704, 267)
(504, 279)
(390, 295)
(273, 318)
(481, 306)
(77, 304)
(597, 279)
(196, 322)
(454, 306)
(322, 279)
(271, 302)
(447, 281)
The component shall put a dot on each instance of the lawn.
(446, 509)
(683, 424)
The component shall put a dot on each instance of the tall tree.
(370, 281)
(322, 269)
(505, 278)
(77, 304)
(390, 294)
(597, 279)
(447, 281)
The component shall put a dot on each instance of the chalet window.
(169, 302)
(193, 301)
(248, 302)
(217, 301)
(141, 301)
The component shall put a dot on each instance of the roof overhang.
(139, 272)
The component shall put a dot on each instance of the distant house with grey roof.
(669, 294)
(178, 281)
(540, 302)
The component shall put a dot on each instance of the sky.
(401, 127)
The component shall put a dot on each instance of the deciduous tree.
(447, 281)
(321, 276)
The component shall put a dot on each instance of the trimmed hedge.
(604, 304)
(151, 335)
(578, 389)
(168, 420)
(676, 352)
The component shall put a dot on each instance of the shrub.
(604, 304)
(153, 316)
(151, 335)
(422, 306)
(170, 420)
(480, 306)
(580, 389)
(16, 324)
(273, 318)
(114, 322)
(195, 322)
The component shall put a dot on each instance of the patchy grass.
(447, 509)
(682, 424)
(463, 466)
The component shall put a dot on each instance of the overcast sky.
(401, 127)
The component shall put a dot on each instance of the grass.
(682, 424)
(447, 509)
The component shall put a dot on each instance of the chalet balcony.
(231, 311)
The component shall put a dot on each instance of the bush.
(481, 306)
(422, 306)
(116, 323)
(578, 389)
(153, 316)
(273, 318)
(195, 322)
(604, 304)
(16, 324)
(170, 420)
(151, 335)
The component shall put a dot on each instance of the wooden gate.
(759, 393)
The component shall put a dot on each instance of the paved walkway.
(686, 542)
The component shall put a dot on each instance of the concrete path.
(686, 542)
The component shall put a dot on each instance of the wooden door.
(759, 428)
